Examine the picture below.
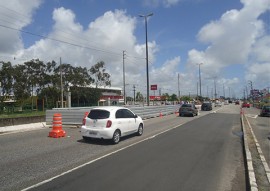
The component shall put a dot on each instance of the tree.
(186, 98)
(101, 78)
(139, 96)
(173, 97)
(21, 88)
(35, 74)
(6, 78)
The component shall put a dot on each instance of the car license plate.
(92, 132)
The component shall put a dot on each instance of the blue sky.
(230, 38)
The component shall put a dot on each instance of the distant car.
(218, 104)
(246, 104)
(111, 122)
(230, 101)
(265, 111)
(206, 106)
(188, 109)
(237, 102)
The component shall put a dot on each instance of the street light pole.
(146, 44)
(61, 82)
(200, 81)
(178, 87)
(124, 81)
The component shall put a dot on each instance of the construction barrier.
(85, 115)
(57, 129)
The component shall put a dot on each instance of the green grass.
(23, 114)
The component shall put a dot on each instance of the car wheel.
(86, 138)
(140, 130)
(116, 137)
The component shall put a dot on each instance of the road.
(175, 153)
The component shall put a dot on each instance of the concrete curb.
(251, 174)
(24, 127)
(265, 164)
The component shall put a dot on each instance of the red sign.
(153, 87)
(159, 98)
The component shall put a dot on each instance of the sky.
(227, 43)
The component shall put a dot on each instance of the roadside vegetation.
(36, 86)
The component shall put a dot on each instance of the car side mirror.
(135, 116)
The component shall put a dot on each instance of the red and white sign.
(154, 87)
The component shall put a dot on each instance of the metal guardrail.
(74, 116)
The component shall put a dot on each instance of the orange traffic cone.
(241, 111)
(160, 114)
(57, 130)
(85, 115)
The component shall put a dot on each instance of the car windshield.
(206, 103)
(99, 114)
(186, 105)
(266, 108)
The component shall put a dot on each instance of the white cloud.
(236, 38)
(17, 17)
(165, 3)
(261, 49)
(105, 39)
(259, 74)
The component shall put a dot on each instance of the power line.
(61, 41)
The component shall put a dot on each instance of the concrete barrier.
(74, 116)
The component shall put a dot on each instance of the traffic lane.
(30, 157)
(261, 128)
(205, 154)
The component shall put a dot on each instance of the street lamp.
(146, 44)
(200, 78)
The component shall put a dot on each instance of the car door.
(133, 126)
(122, 121)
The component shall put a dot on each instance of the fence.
(74, 116)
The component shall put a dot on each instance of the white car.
(111, 122)
(218, 104)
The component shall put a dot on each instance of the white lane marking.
(92, 161)
(251, 116)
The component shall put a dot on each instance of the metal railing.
(74, 116)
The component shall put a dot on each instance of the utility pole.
(124, 78)
(251, 92)
(146, 51)
(215, 85)
(61, 81)
(200, 81)
(224, 91)
(247, 92)
(134, 91)
(197, 91)
(178, 87)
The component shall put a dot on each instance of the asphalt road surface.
(175, 153)
(204, 154)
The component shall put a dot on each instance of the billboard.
(154, 87)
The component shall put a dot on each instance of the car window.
(99, 114)
(186, 105)
(128, 114)
(266, 108)
(119, 114)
